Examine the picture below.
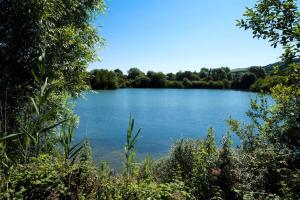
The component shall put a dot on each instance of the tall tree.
(258, 71)
(134, 72)
(158, 80)
(218, 74)
(277, 146)
(59, 32)
(104, 79)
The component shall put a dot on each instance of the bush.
(179, 162)
(215, 84)
(104, 79)
(48, 177)
(186, 83)
(199, 84)
(227, 84)
(158, 80)
(209, 172)
(247, 80)
(119, 189)
(141, 82)
(267, 83)
(174, 84)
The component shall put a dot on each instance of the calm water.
(164, 115)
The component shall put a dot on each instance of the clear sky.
(173, 35)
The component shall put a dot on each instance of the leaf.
(130, 129)
(35, 106)
(10, 136)
(35, 76)
(53, 126)
(75, 146)
(28, 134)
(74, 155)
(44, 86)
(134, 140)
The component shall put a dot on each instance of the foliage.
(267, 83)
(270, 144)
(58, 30)
(218, 74)
(247, 80)
(134, 72)
(70, 152)
(157, 80)
(129, 148)
(104, 79)
(186, 83)
(36, 126)
(141, 82)
(117, 190)
(259, 72)
(47, 177)
(174, 84)
(207, 171)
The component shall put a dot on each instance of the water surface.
(164, 115)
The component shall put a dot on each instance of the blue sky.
(173, 35)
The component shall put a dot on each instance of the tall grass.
(130, 148)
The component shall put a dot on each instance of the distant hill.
(269, 68)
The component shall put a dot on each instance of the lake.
(165, 115)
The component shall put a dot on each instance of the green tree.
(204, 72)
(118, 72)
(195, 76)
(171, 77)
(157, 80)
(187, 83)
(104, 79)
(59, 31)
(247, 80)
(187, 74)
(150, 73)
(122, 81)
(142, 82)
(179, 76)
(272, 164)
(258, 71)
(218, 74)
(134, 72)
(227, 165)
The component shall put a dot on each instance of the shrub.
(174, 84)
(186, 83)
(104, 79)
(141, 82)
(48, 177)
(179, 162)
(247, 80)
(267, 83)
(199, 84)
(215, 84)
(227, 84)
(119, 189)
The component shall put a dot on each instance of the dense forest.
(45, 48)
(254, 78)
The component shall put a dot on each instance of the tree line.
(217, 78)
